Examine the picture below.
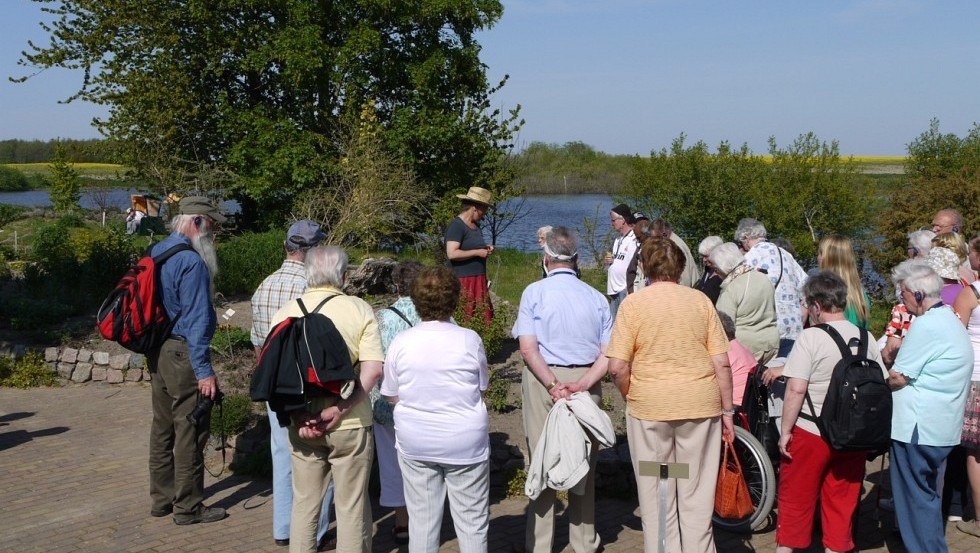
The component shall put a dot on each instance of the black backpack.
(302, 357)
(857, 411)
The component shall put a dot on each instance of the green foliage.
(65, 186)
(233, 416)
(800, 193)
(572, 168)
(515, 482)
(229, 338)
(29, 372)
(257, 463)
(943, 171)
(245, 260)
(91, 150)
(494, 334)
(10, 213)
(498, 392)
(266, 85)
(12, 180)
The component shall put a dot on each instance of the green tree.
(259, 90)
(65, 188)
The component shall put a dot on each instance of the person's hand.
(560, 391)
(489, 250)
(771, 375)
(727, 428)
(576, 386)
(608, 259)
(329, 418)
(784, 441)
(309, 432)
(208, 387)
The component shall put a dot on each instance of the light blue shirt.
(937, 358)
(569, 318)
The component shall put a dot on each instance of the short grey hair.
(921, 240)
(561, 241)
(726, 257)
(749, 228)
(708, 244)
(919, 277)
(325, 266)
(901, 271)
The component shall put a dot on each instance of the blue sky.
(627, 76)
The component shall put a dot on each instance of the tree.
(65, 188)
(261, 88)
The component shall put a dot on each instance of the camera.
(204, 405)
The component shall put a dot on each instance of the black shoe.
(204, 514)
(283, 543)
(162, 512)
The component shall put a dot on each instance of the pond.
(115, 197)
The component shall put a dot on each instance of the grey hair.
(183, 223)
(919, 277)
(921, 240)
(728, 324)
(561, 245)
(325, 266)
(749, 228)
(957, 217)
(901, 271)
(726, 257)
(543, 231)
(708, 244)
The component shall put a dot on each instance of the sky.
(629, 76)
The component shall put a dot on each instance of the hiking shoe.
(204, 514)
(162, 512)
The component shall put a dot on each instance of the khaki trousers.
(540, 530)
(691, 501)
(176, 445)
(346, 455)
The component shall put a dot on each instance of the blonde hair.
(837, 255)
(952, 241)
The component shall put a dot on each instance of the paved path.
(73, 477)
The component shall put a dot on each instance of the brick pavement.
(73, 477)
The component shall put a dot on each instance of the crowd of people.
(678, 340)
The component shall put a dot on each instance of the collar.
(325, 288)
(561, 271)
(293, 263)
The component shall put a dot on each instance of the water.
(115, 197)
(568, 210)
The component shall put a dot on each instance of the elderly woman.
(710, 281)
(441, 423)
(673, 371)
(946, 264)
(920, 242)
(747, 296)
(932, 370)
(467, 253)
(810, 469)
(967, 308)
(393, 319)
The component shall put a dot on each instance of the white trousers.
(392, 488)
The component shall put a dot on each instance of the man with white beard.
(181, 367)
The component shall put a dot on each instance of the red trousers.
(475, 298)
(817, 471)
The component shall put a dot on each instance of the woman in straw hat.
(467, 252)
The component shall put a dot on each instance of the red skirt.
(475, 298)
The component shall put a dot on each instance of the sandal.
(400, 534)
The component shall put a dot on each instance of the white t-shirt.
(624, 248)
(438, 371)
(813, 358)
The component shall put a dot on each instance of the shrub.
(228, 338)
(10, 213)
(12, 180)
(232, 416)
(493, 336)
(65, 186)
(27, 313)
(29, 372)
(498, 392)
(516, 480)
(245, 260)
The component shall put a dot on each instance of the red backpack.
(133, 314)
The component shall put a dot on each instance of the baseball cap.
(304, 234)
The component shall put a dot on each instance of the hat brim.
(218, 217)
(472, 199)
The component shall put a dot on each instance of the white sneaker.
(887, 504)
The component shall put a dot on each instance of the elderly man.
(950, 220)
(332, 436)
(181, 367)
(623, 251)
(281, 287)
(932, 369)
(691, 273)
(785, 273)
(563, 326)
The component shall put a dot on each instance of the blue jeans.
(918, 506)
(282, 485)
(614, 302)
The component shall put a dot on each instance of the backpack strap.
(302, 306)
(400, 314)
(845, 350)
(812, 417)
(170, 252)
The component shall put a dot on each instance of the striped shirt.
(279, 288)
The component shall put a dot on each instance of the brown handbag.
(732, 498)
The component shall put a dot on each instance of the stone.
(50, 354)
(83, 372)
(99, 373)
(69, 355)
(373, 276)
(120, 361)
(114, 376)
(84, 356)
(100, 358)
(134, 375)
(65, 369)
(147, 376)
(136, 361)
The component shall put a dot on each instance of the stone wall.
(85, 365)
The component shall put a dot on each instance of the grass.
(84, 169)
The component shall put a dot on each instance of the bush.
(232, 416)
(12, 180)
(245, 260)
(10, 213)
(498, 392)
(27, 313)
(29, 372)
(516, 480)
(228, 338)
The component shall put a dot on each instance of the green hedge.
(12, 180)
(245, 260)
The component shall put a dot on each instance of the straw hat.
(477, 195)
(945, 262)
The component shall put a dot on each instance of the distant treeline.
(572, 168)
(92, 150)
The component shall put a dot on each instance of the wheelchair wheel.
(761, 480)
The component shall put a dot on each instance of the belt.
(177, 338)
(571, 366)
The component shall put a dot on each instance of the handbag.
(732, 498)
